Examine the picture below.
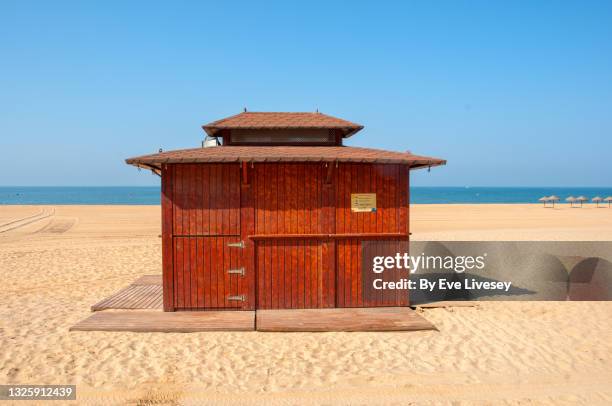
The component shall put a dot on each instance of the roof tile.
(278, 120)
(284, 154)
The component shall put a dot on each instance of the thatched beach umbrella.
(609, 200)
(543, 199)
(554, 199)
(581, 199)
(596, 200)
(571, 200)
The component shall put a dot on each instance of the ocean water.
(151, 195)
(80, 195)
(447, 195)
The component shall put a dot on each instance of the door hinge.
(239, 271)
(236, 244)
(240, 298)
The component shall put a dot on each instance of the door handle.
(236, 244)
(238, 271)
(240, 298)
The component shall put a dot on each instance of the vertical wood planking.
(199, 190)
(193, 208)
(206, 199)
(234, 201)
(328, 225)
(214, 199)
(221, 293)
(387, 182)
(186, 273)
(277, 199)
(178, 273)
(203, 286)
(205, 203)
(227, 265)
(297, 282)
(176, 198)
(301, 274)
(193, 276)
(403, 199)
(167, 245)
(408, 201)
(247, 227)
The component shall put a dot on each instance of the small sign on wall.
(363, 202)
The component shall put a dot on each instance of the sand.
(53, 269)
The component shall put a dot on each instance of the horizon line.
(440, 186)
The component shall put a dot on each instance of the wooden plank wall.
(204, 204)
(351, 291)
(288, 198)
(206, 199)
(389, 182)
(294, 199)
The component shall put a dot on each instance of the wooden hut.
(274, 217)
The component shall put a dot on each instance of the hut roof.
(229, 153)
(277, 120)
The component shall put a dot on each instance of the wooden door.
(208, 273)
(207, 250)
(292, 270)
(294, 274)
(355, 284)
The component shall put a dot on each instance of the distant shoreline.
(150, 195)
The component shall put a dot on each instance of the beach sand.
(55, 268)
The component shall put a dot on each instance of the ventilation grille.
(283, 137)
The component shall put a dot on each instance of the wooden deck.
(138, 308)
(167, 322)
(149, 280)
(144, 293)
(347, 319)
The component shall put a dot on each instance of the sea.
(150, 195)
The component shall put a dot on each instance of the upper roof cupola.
(266, 128)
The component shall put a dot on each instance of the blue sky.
(511, 93)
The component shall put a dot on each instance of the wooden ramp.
(354, 319)
(167, 322)
(144, 293)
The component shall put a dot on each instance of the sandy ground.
(54, 268)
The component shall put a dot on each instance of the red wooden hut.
(274, 217)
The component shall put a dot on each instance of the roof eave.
(213, 130)
(153, 167)
(421, 164)
(352, 131)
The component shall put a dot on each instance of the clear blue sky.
(512, 93)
